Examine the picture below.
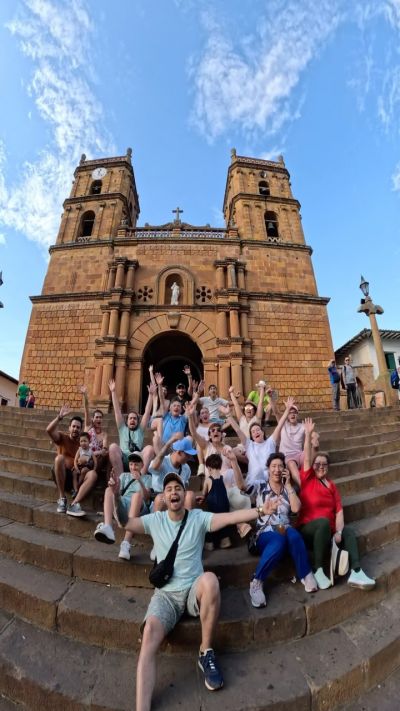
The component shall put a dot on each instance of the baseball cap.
(134, 457)
(184, 445)
(180, 385)
(172, 476)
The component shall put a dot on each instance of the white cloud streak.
(56, 36)
(251, 87)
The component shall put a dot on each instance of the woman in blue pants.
(275, 536)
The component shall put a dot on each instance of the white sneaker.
(322, 581)
(309, 582)
(153, 554)
(256, 591)
(125, 550)
(104, 533)
(360, 580)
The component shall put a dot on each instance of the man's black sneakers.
(212, 675)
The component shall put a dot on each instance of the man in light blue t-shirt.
(189, 588)
(131, 433)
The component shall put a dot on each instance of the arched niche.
(183, 278)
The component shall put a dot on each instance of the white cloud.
(251, 87)
(56, 36)
(2, 239)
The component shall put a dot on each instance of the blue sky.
(183, 81)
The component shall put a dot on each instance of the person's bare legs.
(115, 456)
(134, 512)
(108, 506)
(294, 471)
(59, 473)
(209, 599)
(153, 635)
(87, 484)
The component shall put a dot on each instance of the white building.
(362, 350)
(8, 388)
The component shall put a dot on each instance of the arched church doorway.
(169, 353)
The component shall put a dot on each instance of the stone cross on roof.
(178, 211)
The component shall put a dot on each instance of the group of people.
(25, 395)
(273, 490)
(344, 378)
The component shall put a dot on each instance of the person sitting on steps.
(129, 496)
(67, 447)
(190, 588)
(131, 433)
(85, 460)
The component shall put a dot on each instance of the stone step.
(111, 617)
(362, 465)
(349, 485)
(383, 696)
(326, 670)
(72, 554)
(8, 705)
(25, 467)
(28, 454)
(365, 451)
(378, 434)
(24, 441)
(42, 489)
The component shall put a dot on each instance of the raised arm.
(260, 404)
(83, 390)
(52, 429)
(278, 429)
(308, 430)
(190, 408)
(160, 380)
(157, 461)
(218, 521)
(119, 420)
(232, 422)
(234, 398)
(188, 374)
(230, 454)
(152, 388)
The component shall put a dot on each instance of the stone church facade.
(246, 301)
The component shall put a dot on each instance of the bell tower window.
(95, 188)
(263, 188)
(271, 225)
(87, 223)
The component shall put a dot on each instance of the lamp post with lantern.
(370, 309)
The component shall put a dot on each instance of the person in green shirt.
(22, 393)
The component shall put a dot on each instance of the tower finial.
(129, 154)
(233, 154)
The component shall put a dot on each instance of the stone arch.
(191, 326)
(183, 277)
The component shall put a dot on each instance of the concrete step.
(42, 442)
(383, 696)
(326, 670)
(111, 617)
(28, 454)
(25, 467)
(362, 465)
(378, 434)
(365, 451)
(73, 555)
(42, 489)
(349, 485)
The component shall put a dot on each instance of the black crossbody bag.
(162, 572)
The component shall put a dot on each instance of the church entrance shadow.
(169, 353)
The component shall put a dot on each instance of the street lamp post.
(370, 309)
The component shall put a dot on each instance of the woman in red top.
(321, 516)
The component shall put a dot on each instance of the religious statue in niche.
(175, 291)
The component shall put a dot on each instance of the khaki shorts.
(169, 605)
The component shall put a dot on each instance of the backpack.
(395, 380)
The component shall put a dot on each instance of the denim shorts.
(169, 605)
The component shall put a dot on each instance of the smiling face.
(180, 390)
(249, 411)
(133, 420)
(135, 467)
(215, 433)
(174, 496)
(97, 419)
(175, 408)
(275, 470)
(204, 415)
(75, 429)
(256, 434)
(320, 466)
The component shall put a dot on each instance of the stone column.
(241, 277)
(105, 322)
(97, 380)
(113, 326)
(232, 276)
(224, 378)
(120, 278)
(234, 323)
(244, 324)
(124, 325)
(237, 380)
(222, 327)
(220, 276)
(130, 277)
(111, 277)
(120, 374)
(247, 384)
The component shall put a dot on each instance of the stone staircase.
(70, 610)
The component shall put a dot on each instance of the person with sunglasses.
(321, 516)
